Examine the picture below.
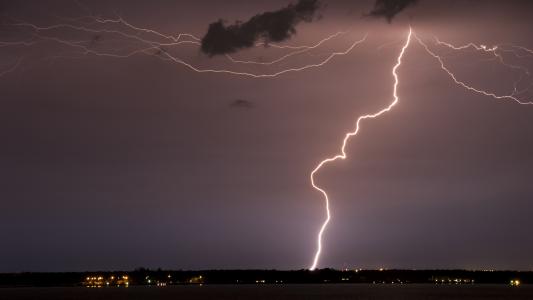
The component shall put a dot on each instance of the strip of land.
(171, 277)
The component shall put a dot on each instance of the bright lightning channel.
(342, 154)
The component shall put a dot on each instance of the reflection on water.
(259, 292)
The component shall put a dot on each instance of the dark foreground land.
(281, 291)
(269, 284)
(162, 278)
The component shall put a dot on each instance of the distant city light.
(515, 282)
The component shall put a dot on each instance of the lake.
(259, 292)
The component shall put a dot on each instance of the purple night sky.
(118, 163)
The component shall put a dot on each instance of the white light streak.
(464, 84)
(300, 51)
(343, 155)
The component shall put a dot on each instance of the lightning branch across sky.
(512, 96)
(156, 44)
(298, 51)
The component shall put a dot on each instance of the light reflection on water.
(260, 292)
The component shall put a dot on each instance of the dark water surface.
(259, 292)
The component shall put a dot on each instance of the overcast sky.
(111, 163)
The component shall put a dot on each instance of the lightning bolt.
(146, 41)
(524, 49)
(293, 53)
(153, 47)
(343, 155)
(465, 85)
(120, 20)
(495, 51)
(270, 75)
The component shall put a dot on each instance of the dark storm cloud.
(390, 8)
(273, 26)
(241, 103)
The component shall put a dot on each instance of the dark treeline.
(143, 276)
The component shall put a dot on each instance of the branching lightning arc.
(144, 41)
(342, 155)
(133, 37)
